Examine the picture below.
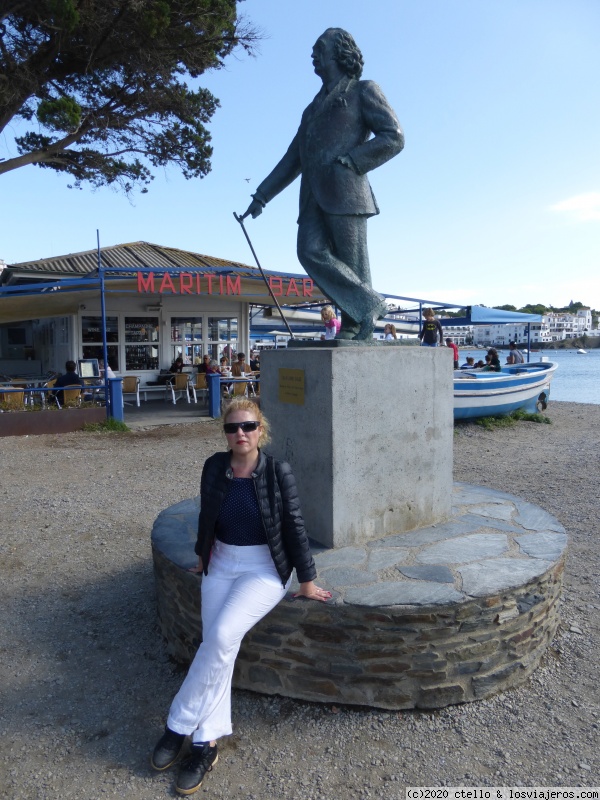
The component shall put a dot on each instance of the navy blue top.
(239, 521)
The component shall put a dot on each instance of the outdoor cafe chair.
(131, 386)
(13, 400)
(199, 385)
(178, 384)
(44, 395)
(71, 396)
(240, 388)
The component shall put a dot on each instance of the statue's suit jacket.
(339, 124)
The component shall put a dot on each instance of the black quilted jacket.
(279, 506)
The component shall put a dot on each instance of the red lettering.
(292, 288)
(145, 283)
(209, 278)
(221, 289)
(307, 287)
(234, 286)
(276, 286)
(167, 283)
(198, 289)
(185, 283)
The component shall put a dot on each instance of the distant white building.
(461, 335)
(554, 327)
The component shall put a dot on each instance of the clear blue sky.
(495, 198)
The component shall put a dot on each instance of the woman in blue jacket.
(250, 538)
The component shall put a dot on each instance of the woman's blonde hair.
(429, 313)
(391, 328)
(327, 312)
(245, 404)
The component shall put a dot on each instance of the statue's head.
(345, 51)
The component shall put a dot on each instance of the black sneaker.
(167, 750)
(194, 767)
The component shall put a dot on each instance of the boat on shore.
(479, 393)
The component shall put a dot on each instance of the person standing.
(348, 130)
(515, 356)
(331, 322)
(431, 330)
(251, 537)
(454, 348)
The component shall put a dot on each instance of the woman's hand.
(312, 592)
(198, 567)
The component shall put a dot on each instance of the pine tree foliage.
(97, 88)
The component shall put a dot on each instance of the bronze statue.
(333, 150)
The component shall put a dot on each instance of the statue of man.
(347, 130)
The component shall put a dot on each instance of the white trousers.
(241, 587)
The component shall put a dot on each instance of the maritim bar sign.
(212, 283)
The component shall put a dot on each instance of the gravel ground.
(86, 682)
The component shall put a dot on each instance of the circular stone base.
(446, 614)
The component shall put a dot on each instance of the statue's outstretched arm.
(286, 171)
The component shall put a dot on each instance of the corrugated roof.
(133, 254)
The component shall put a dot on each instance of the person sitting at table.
(203, 367)
(109, 372)
(255, 361)
(239, 366)
(177, 365)
(224, 362)
(213, 368)
(69, 378)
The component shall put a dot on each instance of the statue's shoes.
(365, 331)
(348, 332)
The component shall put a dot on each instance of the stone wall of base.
(389, 657)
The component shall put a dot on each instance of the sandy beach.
(86, 682)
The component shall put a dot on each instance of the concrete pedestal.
(368, 432)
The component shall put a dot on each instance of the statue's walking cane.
(285, 322)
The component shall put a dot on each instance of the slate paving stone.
(341, 557)
(497, 524)
(503, 511)
(535, 518)
(434, 573)
(424, 536)
(546, 544)
(404, 593)
(338, 578)
(382, 557)
(496, 574)
(464, 549)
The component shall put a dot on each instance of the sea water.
(577, 379)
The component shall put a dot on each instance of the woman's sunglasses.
(232, 427)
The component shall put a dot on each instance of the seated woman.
(213, 368)
(492, 361)
(177, 365)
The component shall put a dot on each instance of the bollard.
(115, 399)
(214, 394)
